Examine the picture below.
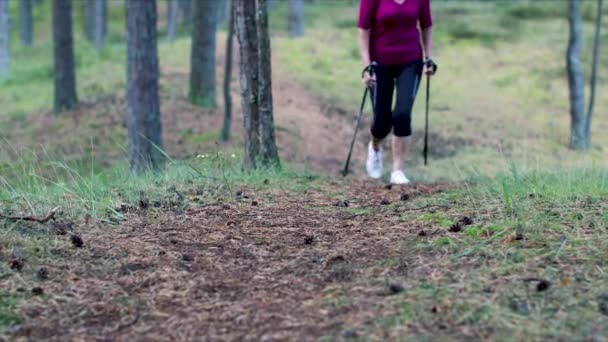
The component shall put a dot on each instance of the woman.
(389, 40)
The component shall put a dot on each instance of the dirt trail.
(270, 270)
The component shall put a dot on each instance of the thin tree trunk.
(145, 130)
(578, 139)
(245, 25)
(202, 58)
(225, 135)
(223, 12)
(88, 19)
(296, 18)
(186, 9)
(64, 70)
(171, 19)
(268, 145)
(593, 82)
(5, 35)
(251, 18)
(26, 22)
(99, 23)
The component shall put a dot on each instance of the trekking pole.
(367, 90)
(433, 67)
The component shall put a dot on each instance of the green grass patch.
(45, 184)
(486, 277)
(8, 310)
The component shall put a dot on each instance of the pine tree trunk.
(593, 81)
(88, 17)
(268, 147)
(5, 35)
(65, 73)
(144, 124)
(223, 12)
(186, 9)
(251, 20)
(245, 25)
(202, 58)
(171, 19)
(26, 22)
(296, 18)
(225, 135)
(99, 23)
(578, 138)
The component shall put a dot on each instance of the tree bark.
(186, 9)
(64, 65)
(5, 35)
(144, 124)
(256, 93)
(99, 23)
(26, 22)
(172, 8)
(202, 57)
(88, 19)
(225, 135)
(246, 32)
(296, 18)
(268, 151)
(578, 138)
(593, 81)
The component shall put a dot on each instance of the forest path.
(269, 265)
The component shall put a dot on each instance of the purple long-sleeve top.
(394, 35)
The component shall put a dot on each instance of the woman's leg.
(383, 101)
(408, 83)
(401, 150)
(382, 98)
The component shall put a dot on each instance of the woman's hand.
(430, 67)
(369, 79)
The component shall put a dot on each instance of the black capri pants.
(406, 78)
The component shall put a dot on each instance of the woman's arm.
(426, 24)
(427, 42)
(364, 35)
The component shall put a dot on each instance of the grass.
(477, 287)
(41, 185)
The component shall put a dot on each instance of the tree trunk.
(26, 22)
(225, 135)
(171, 19)
(245, 25)
(99, 23)
(223, 12)
(144, 124)
(88, 19)
(254, 46)
(296, 18)
(202, 57)
(186, 9)
(593, 82)
(5, 34)
(65, 74)
(268, 150)
(578, 138)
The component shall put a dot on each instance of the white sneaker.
(398, 177)
(374, 162)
